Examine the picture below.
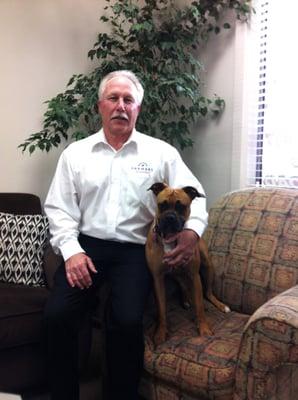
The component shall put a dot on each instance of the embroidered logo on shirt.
(142, 168)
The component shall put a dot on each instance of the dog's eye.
(179, 207)
(163, 206)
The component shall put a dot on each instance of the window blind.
(273, 137)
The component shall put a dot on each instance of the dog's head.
(173, 207)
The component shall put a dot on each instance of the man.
(100, 211)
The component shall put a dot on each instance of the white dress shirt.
(103, 193)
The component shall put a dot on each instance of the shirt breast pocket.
(136, 189)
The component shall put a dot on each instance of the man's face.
(118, 107)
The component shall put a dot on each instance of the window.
(271, 91)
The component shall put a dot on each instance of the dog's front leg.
(161, 330)
(202, 324)
(210, 278)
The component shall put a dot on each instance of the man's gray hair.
(122, 73)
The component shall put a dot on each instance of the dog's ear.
(157, 187)
(192, 192)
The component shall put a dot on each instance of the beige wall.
(213, 156)
(218, 157)
(44, 42)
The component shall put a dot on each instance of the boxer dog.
(173, 209)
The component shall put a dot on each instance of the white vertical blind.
(273, 137)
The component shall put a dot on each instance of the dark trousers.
(124, 267)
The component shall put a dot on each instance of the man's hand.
(184, 250)
(78, 269)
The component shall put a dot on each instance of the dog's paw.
(204, 330)
(227, 309)
(159, 337)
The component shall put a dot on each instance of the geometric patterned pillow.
(22, 242)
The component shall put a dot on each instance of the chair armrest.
(267, 366)
(51, 262)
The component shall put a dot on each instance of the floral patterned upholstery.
(252, 237)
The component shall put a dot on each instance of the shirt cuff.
(70, 249)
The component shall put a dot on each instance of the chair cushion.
(192, 364)
(21, 314)
(22, 242)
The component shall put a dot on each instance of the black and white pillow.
(22, 242)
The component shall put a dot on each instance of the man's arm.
(62, 209)
(63, 212)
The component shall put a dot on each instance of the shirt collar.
(100, 139)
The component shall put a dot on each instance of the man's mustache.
(120, 116)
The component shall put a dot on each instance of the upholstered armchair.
(252, 237)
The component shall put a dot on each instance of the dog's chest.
(167, 247)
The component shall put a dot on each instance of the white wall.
(42, 44)
(213, 156)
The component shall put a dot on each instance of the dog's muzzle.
(170, 223)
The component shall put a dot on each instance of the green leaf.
(91, 54)
(48, 146)
(70, 82)
(103, 18)
(31, 148)
(204, 111)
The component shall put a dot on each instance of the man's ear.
(157, 187)
(192, 192)
(98, 106)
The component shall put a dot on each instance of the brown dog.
(173, 210)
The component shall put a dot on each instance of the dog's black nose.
(170, 217)
(170, 222)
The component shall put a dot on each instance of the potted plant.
(159, 41)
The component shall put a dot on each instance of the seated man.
(100, 212)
